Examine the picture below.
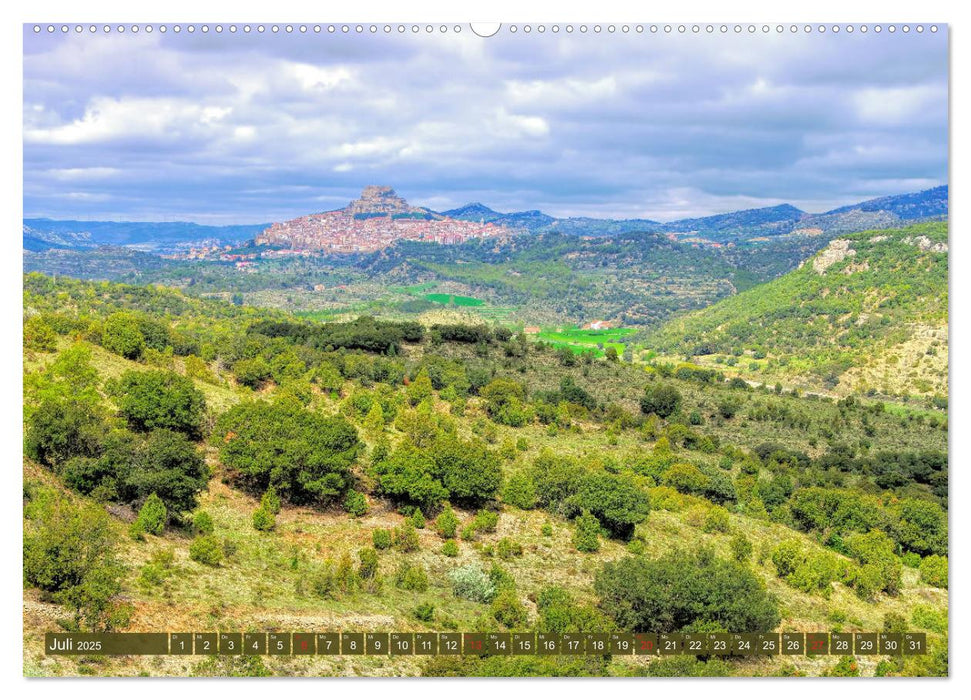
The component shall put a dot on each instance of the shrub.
(447, 523)
(450, 548)
(558, 613)
(881, 568)
(506, 402)
(302, 454)
(38, 335)
(485, 521)
(202, 523)
(661, 399)
(270, 500)
(520, 491)
(368, 567)
(152, 516)
(465, 471)
(556, 478)
(411, 577)
(586, 536)
(786, 557)
(252, 372)
(405, 537)
(417, 519)
(741, 548)
(356, 503)
(70, 553)
(546, 530)
(346, 579)
(122, 335)
(471, 583)
(716, 520)
(846, 667)
(618, 504)
(420, 388)
(263, 520)
(61, 429)
(381, 538)
(933, 571)
(508, 610)
(680, 589)
(160, 399)
(205, 549)
(424, 612)
(169, 465)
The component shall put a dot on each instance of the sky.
(236, 128)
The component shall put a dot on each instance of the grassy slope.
(875, 320)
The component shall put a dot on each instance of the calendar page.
(485, 350)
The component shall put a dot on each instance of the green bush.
(411, 577)
(405, 537)
(450, 548)
(661, 399)
(122, 335)
(618, 504)
(880, 569)
(586, 536)
(263, 520)
(202, 523)
(160, 399)
(153, 516)
(716, 520)
(356, 503)
(508, 610)
(933, 571)
(741, 547)
(520, 491)
(304, 455)
(447, 523)
(169, 465)
(472, 583)
(447, 467)
(425, 612)
(270, 501)
(71, 554)
(381, 538)
(205, 549)
(62, 429)
(417, 519)
(38, 335)
(546, 530)
(846, 667)
(252, 372)
(485, 521)
(559, 613)
(683, 589)
(368, 567)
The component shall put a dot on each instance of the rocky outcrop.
(837, 251)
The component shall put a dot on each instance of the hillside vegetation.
(867, 314)
(195, 465)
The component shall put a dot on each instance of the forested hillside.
(193, 464)
(866, 314)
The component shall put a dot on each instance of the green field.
(457, 300)
(579, 340)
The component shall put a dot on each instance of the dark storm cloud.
(240, 128)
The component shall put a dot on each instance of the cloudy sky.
(255, 128)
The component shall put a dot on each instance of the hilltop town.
(374, 221)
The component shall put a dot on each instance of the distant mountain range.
(48, 234)
(885, 212)
(782, 219)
